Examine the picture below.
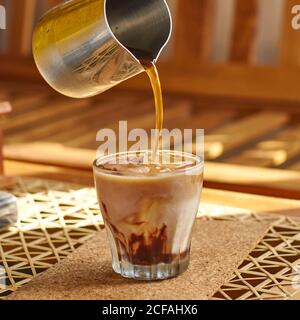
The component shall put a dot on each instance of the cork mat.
(218, 248)
(56, 218)
(272, 270)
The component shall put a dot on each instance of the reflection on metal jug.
(85, 47)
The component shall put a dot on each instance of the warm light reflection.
(213, 211)
(213, 149)
(276, 157)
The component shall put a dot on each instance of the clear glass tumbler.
(149, 215)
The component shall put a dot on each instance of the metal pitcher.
(85, 47)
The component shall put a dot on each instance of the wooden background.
(230, 48)
(232, 67)
(207, 35)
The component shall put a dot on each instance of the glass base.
(154, 272)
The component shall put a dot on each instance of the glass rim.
(199, 164)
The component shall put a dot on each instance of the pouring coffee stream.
(153, 75)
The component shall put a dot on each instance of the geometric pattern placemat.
(272, 269)
(218, 247)
(55, 218)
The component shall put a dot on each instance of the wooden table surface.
(45, 127)
(256, 203)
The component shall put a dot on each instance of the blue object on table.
(8, 209)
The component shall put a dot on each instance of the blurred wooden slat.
(18, 69)
(51, 153)
(93, 119)
(146, 121)
(234, 81)
(235, 135)
(290, 43)
(229, 81)
(177, 115)
(233, 199)
(180, 109)
(28, 102)
(295, 166)
(273, 182)
(80, 115)
(245, 31)
(253, 202)
(20, 22)
(3, 95)
(209, 121)
(19, 168)
(281, 148)
(1, 152)
(53, 110)
(17, 89)
(193, 30)
(5, 108)
(56, 154)
(204, 119)
(280, 183)
(75, 123)
(79, 127)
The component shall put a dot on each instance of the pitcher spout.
(142, 27)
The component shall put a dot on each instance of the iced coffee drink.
(149, 208)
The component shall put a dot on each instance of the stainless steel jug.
(84, 47)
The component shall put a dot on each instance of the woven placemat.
(56, 218)
(218, 248)
(272, 269)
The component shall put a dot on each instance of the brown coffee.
(149, 211)
(153, 75)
